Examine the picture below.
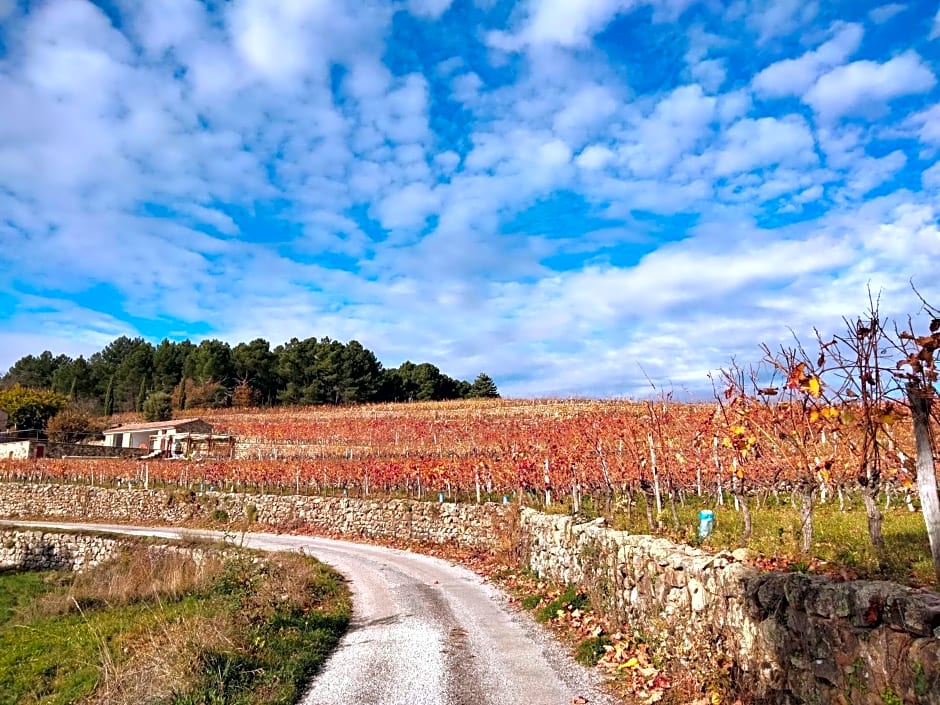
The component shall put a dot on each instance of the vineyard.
(548, 450)
(798, 429)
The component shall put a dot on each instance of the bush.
(210, 395)
(158, 407)
(30, 409)
(72, 425)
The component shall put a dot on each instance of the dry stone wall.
(782, 638)
(47, 550)
(425, 522)
(24, 450)
(37, 549)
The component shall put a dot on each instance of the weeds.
(591, 650)
(163, 628)
(570, 599)
(840, 546)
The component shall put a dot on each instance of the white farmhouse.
(154, 436)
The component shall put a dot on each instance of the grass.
(840, 540)
(590, 651)
(571, 599)
(17, 590)
(159, 629)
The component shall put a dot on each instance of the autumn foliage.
(547, 449)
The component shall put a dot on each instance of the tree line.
(131, 374)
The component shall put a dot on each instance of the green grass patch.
(590, 651)
(17, 590)
(167, 631)
(570, 599)
(530, 602)
(840, 537)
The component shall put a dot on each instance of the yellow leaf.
(632, 662)
(814, 387)
(716, 698)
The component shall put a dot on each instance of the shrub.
(158, 407)
(72, 425)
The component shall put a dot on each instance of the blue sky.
(572, 195)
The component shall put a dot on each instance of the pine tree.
(109, 398)
(141, 395)
(181, 397)
(484, 387)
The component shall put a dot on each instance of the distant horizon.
(576, 197)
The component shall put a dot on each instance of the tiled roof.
(152, 426)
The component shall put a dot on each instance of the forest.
(129, 371)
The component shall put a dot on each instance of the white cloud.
(566, 22)
(777, 18)
(215, 168)
(270, 36)
(884, 13)
(935, 29)
(409, 207)
(595, 157)
(864, 86)
(795, 76)
(67, 329)
(676, 125)
(572, 23)
(753, 144)
(430, 9)
(710, 73)
(172, 24)
(870, 172)
(930, 177)
(589, 109)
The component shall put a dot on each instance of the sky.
(578, 197)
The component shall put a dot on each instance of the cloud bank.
(571, 196)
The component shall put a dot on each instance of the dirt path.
(424, 631)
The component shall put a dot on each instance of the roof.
(151, 426)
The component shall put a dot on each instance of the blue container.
(706, 522)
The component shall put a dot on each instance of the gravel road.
(424, 631)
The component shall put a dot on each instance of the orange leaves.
(801, 378)
(502, 446)
(921, 361)
(740, 440)
(631, 661)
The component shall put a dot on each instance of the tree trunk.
(926, 472)
(746, 514)
(656, 490)
(806, 520)
(875, 521)
(647, 501)
(675, 513)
